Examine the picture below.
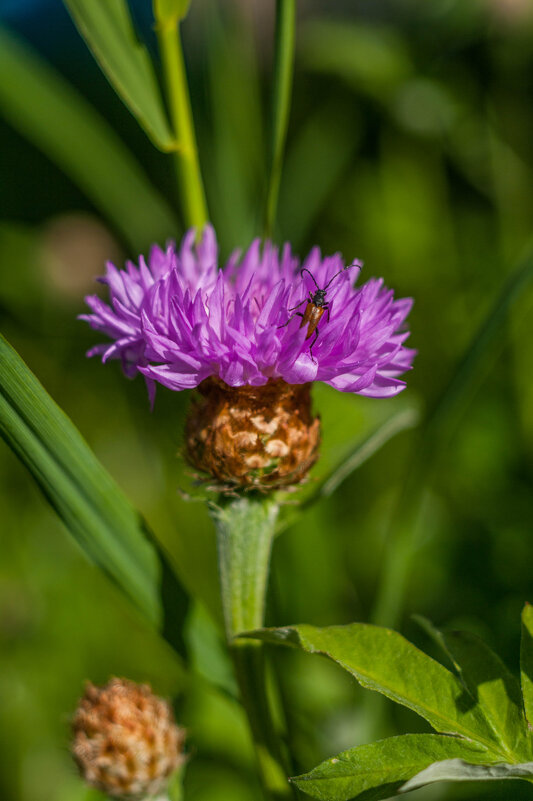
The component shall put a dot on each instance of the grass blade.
(281, 101)
(84, 495)
(107, 28)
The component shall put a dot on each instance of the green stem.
(245, 530)
(186, 156)
(281, 101)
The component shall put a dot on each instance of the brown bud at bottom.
(125, 740)
(256, 437)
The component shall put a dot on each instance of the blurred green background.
(410, 146)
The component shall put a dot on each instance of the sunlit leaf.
(490, 684)
(457, 770)
(379, 769)
(107, 28)
(85, 496)
(39, 103)
(382, 660)
(526, 661)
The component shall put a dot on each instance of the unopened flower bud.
(126, 742)
(260, 437)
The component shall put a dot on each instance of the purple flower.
(179, 320)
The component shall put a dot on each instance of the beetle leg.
(305, 300)
(296, 314)
(327, 309)
(313, 343)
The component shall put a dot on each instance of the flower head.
(179, 320)
(125, 740)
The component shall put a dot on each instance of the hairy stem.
(190, 183)
(245, 530)
(281, 101)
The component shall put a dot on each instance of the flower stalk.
(190, 182)
(245, 531)
(281, 101)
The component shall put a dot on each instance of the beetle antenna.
(347, 267)
(305, 270)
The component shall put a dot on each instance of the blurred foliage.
(410, 146)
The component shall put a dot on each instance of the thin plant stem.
(190, 183)
(245, 531)
(281, 101)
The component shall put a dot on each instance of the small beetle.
(316, 306)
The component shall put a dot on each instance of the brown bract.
(126, 742)
(255, 437)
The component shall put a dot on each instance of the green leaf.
(526, 661)
(107, 28)
(84, 495)
(40, 104)
(456, 770)
(491, 685)
(379, 769)
(382, 660)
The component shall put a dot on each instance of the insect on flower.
(316, 306)
(178, 320)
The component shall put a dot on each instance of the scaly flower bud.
(261, 437)
(125, 740)
(252, 337)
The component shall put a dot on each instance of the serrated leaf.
(39, 103)
(457, 770)
(490, 684)
(85, 496)
(107, 28)
(382, 660)
(526, 661)
(377, 770)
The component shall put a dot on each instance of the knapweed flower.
(125, 740)
(263, 320)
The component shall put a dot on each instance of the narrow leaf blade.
(526, 661)
(107, 28)
(84, 495)
(379, 769)
(382, 660)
